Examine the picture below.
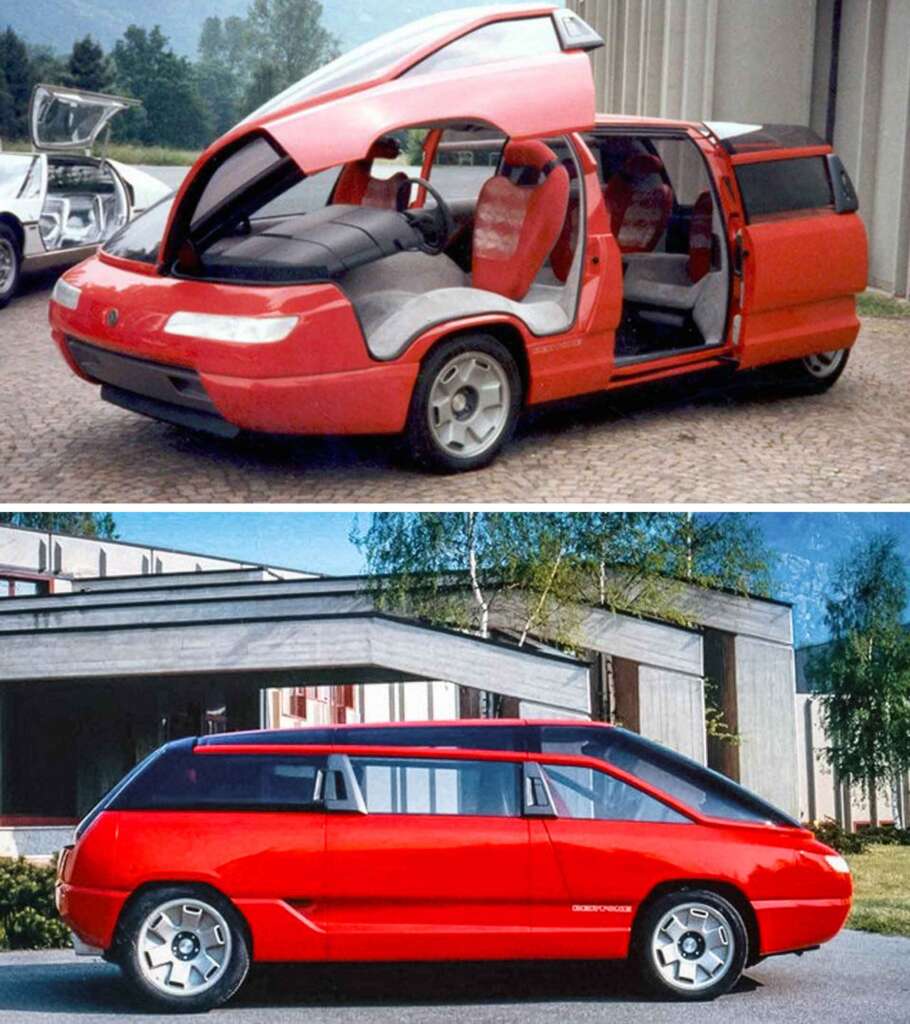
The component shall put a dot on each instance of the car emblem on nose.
(111, 317)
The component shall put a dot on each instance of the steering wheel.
(436, 226)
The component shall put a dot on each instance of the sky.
(807, 545)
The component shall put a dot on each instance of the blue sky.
(808, 545)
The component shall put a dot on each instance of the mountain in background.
(59, 23)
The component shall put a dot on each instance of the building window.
(422, 786)
(25, 584)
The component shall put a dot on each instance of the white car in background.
(59, 203)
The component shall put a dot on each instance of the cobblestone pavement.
(696, 440)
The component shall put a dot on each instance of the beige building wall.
(770, 61)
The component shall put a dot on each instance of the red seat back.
(356, 185)
(640, 203)
(701, 232)
(520, 213)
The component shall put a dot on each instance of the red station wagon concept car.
(302, 281)
(495, 840)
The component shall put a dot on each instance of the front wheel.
(183, 948)
(691, 945)
(816, 372)
(465, 404)
(10, 264)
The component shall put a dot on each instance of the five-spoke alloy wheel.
(691, 945)
(185, 948)
(816, 372)
(465, 404)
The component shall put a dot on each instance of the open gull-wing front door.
(525, 72)
(63, 119)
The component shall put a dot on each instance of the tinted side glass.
(237, 172)
(456, 737)
(420, 786)
(141, 239)
(588, 793)
(187, 781)
(505, 40)
(705, 791)
(784, 186)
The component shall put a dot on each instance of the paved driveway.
(694, 439)
(857, 978)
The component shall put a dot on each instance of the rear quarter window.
(775, 188)
(187, 781)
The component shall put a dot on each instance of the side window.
(464, 161)
(422, 786)
(592, 794)
(781, 187)
(188, 781)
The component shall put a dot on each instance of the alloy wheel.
(824, 364)
(7, 265)
(469, 404)
(693, 947)
(184, 947)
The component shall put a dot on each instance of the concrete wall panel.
(672, 710)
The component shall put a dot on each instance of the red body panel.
(379, 886)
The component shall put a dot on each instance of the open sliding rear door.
(802, 250)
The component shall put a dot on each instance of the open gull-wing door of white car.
(63, 119)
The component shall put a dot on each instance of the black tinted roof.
(756, 138)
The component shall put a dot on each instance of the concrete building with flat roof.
(98, 670)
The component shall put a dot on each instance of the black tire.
(130, 957)
(494, 360)
(10, 272)
(647, 929)
(816, 373)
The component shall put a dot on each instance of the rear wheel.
(183, 948)
(465, 404)
(690, 945)
(10, 264)
(816, 372)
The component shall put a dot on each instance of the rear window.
(780, 187)
(705, 791)
(181, 780)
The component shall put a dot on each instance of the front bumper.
(371, 400)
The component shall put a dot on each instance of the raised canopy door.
(71, 119)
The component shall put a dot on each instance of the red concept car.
(436, 231)
(494, 840)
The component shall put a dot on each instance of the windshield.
(376, 58)
(14, 175)
(704, 790)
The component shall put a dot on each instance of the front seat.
(520, 214)
(356, 185)
(640, 203)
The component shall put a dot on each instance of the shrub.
(830, 833)
(28, 917)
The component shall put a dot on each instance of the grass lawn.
(881, 901)
(873, 303)
(127, 153)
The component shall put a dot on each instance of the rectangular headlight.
(837, 863)
(66, 295)
(247, 330)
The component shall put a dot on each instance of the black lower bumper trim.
(180, 416)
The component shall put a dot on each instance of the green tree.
(173, 113)
(14, 60)
(88, 67)
(286, 40)
(81, 524)
(46, 65)
(7, 115)
(220, 70)
(541, 565)
(863, 674)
